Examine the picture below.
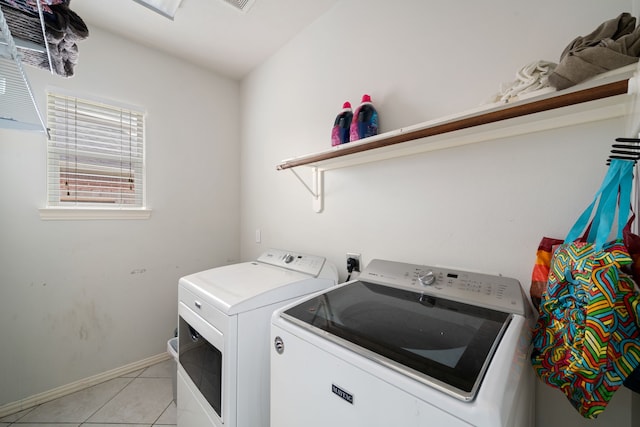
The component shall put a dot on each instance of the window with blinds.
(95, 154)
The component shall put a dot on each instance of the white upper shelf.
(607, 96)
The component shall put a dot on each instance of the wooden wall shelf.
(605, 97)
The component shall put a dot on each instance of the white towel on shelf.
(530, 78)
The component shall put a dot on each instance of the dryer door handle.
(195, 336)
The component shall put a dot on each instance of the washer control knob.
(288, 258)
(427, 278)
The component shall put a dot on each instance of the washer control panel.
(496, 292)
(308, 264)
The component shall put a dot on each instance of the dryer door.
(203, 362)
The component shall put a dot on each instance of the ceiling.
(209, 33)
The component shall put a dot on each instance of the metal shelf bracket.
(316, 189)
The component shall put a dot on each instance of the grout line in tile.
(113, 397)
(161, 414)
(23, 412)
(85, 423)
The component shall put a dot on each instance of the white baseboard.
(37, 399)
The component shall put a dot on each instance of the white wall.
(482, 207)
(78, 298)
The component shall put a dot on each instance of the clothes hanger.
(626, 149)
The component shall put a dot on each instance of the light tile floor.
(140, 399)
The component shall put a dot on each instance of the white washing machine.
(405, 345)
(223, 335)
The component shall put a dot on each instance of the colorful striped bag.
(540, 273)
(587, 339)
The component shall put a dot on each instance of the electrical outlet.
(357, 265)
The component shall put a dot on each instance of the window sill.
(58, 214)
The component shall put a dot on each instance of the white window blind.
(95, 154)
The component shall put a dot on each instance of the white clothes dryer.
(405, 345)
(223, 335)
